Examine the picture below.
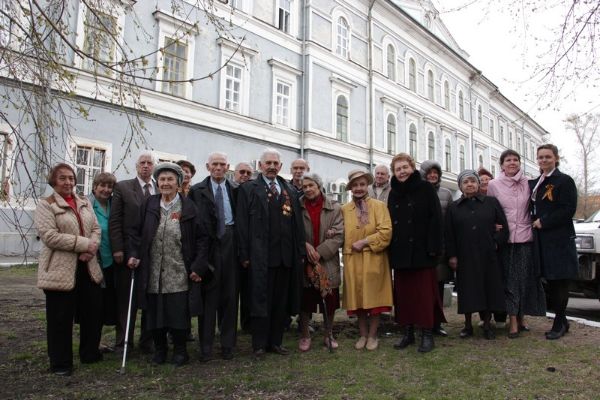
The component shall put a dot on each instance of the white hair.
(385, 167)
(216, 154)
(241, 164)
(270, 151)
(147, 153)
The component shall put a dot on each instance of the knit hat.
(168, 166)
(467, 173)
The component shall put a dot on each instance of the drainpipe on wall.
(303, 111)
(370, 66)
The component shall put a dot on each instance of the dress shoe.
(361, 343)
(426, 341)
(513, 335)
(63, 372)
(205, 357)
(282, 351)
(407, 339)
(489, 334)
(372, 344)
(524, 328)
(160, 357)
(553, 335)
(466, 332)
(439, 331)
(227, 353)
(180, 359)
(259, 354)
(334, 343)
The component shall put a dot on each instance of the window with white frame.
(479, 117)
(343, 37)
(391, 134)
(461, 157)
(89, 161)
(284, 93)
(236, 4)
(163, 156)
(430, 85)
(501, 135)
(282, 103)
(461, 105)
(492, 127)
(446, 95)
(481, 161)
(448, 155)
(430, 146)
(391, 62)
(6, 147)
(235, 76)
(174, 67)
(412, 141)
(510, 139)
(412, 74)
(100, 31)
(6, 11)
(233, 87)
(341, 118)
(526, 149)
(284, 8)
(519, 145)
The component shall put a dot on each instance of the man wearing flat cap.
(271, 246)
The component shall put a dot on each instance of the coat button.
(397, 206)
(395, 222)
(409, 221)
(474, 227)
(410, 240)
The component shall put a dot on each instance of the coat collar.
(479, 197)
(327, 202)
(81, 201)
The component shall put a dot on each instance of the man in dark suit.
(215, 200)
(272, 247)
(128, 196)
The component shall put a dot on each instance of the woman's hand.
(359, 245)
(312, 253)
(498, 227)
(195, 277)
(85, 257)
(133, 263)
(453, 263)
(537, 224)
(92, 247)
(330, 233)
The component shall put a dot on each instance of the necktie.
(220, 212)
(273, 189)
(147, 190)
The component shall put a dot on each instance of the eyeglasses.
(244, 172)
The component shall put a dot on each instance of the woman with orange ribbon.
(554, 201)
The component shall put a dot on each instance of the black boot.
(160, 346)
(180, 354)
(407, 339)
(426, 341)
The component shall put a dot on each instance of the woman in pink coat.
(522, 284)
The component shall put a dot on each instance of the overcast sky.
(497, 46)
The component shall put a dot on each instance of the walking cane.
(122, 371)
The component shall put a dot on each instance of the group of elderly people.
(271, 248)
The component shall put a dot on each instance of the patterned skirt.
(522, 283)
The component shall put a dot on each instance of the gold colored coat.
(367, 276)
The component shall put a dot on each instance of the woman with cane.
(170, 248)
(324, 229)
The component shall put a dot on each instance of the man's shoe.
(160, 357)
(259, 354)
(180, 359)
(62, 371)
(282, 351)
(439, 331)
(227, 353)
(426, 341)
(407, 339)
(489, 334)
(205, 357)
(466, 332)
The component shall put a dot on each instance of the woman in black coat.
(476, 228)
(554, 201)
(416, 243)
(169, 250)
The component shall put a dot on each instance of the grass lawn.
(529, 367)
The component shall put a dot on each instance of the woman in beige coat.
(324, 230)
(69, 272)
(367, 280)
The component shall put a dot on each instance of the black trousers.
(222, 300)
(268, 331)
(244, 300)
(85, 300)
(122, 285)
(558, 298)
